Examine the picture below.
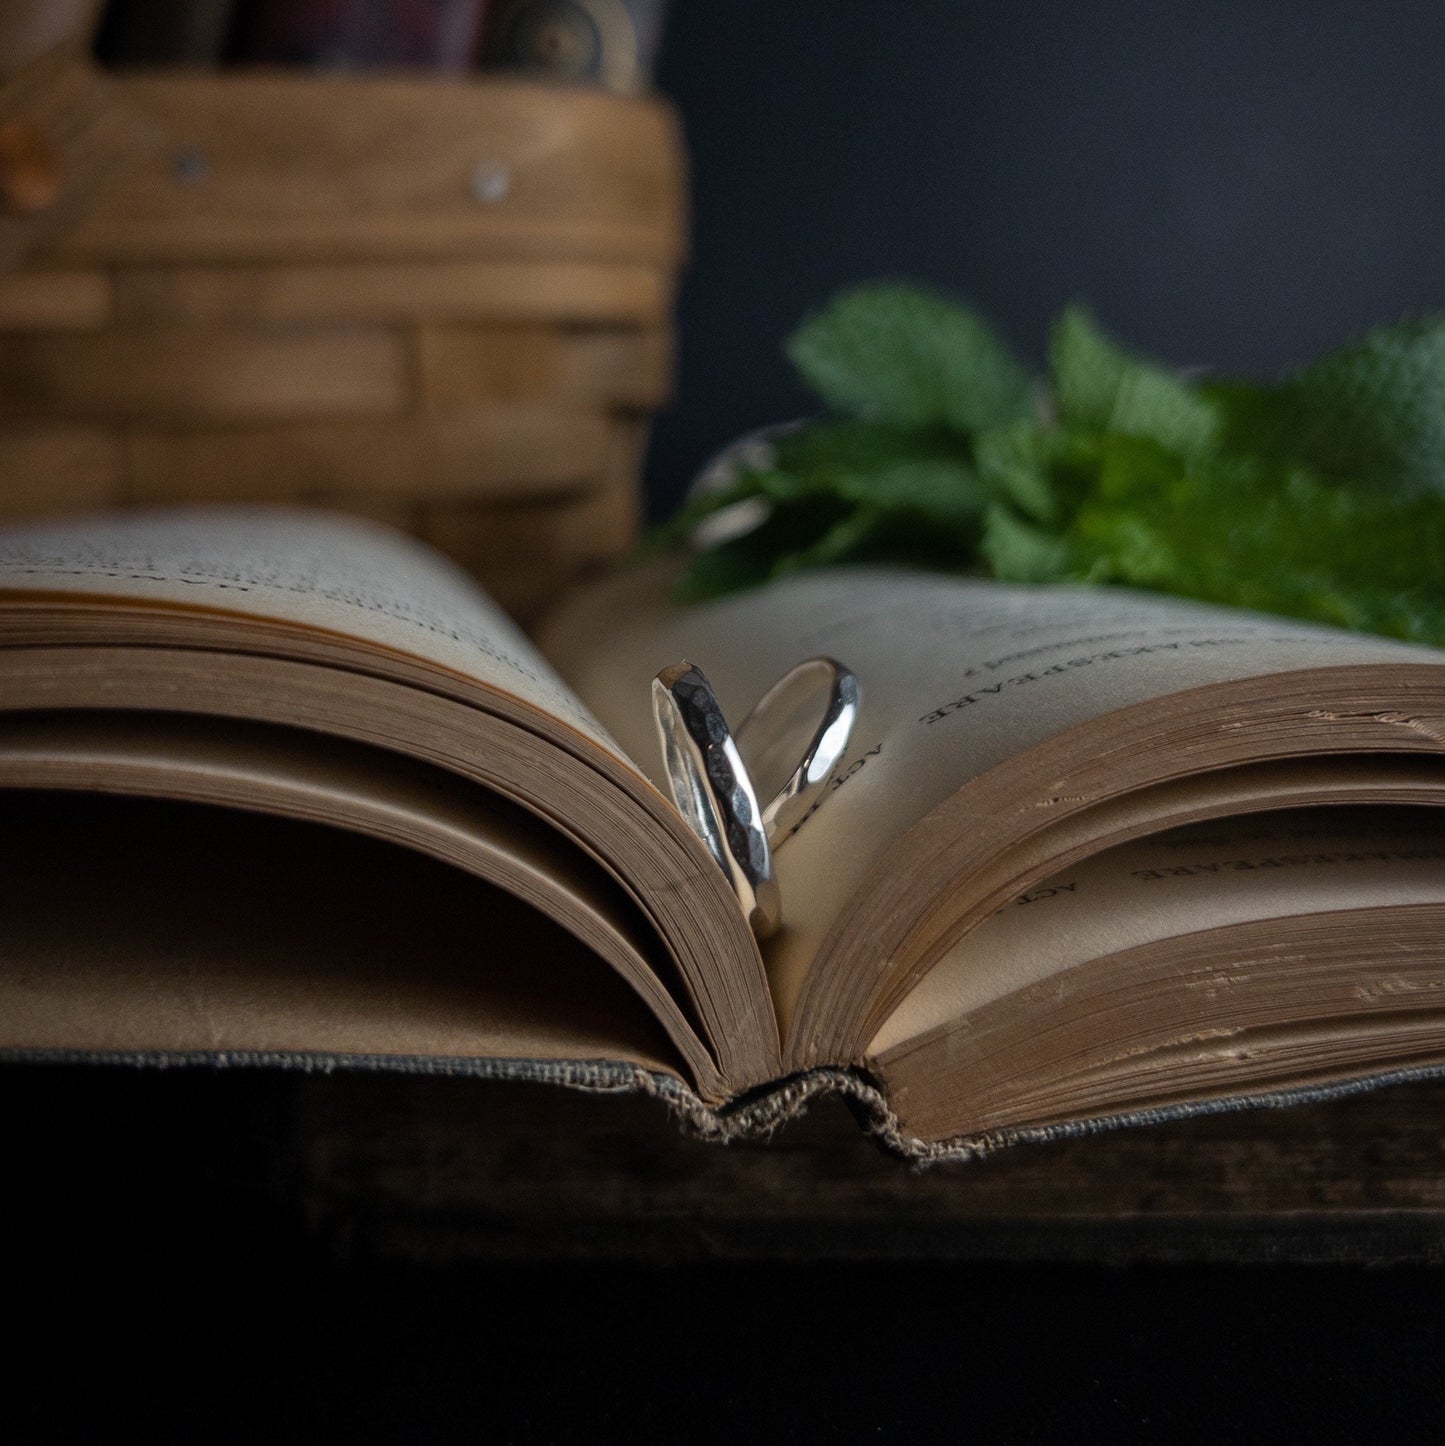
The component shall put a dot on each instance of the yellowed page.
(133, 927)
(334, 625)
(957, 676)
(316, 570)
(292, 773)
(1186, 881)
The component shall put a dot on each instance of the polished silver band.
(787, 750)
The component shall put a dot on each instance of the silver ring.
(807, 716)
(788, 749)
(713, 792)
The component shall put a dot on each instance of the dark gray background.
(1239, 183)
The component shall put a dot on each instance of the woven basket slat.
(318, 291)
(567, 292)
(256, 167)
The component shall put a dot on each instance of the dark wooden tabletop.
(409, 1260)
(452, 1169)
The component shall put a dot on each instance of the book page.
(1185, 881)
(1227, 958)
(309, 620)
(296, 774)
(197, 932)
(957, 676)
(322, 571)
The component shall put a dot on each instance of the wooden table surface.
(456, 1170)
(393, 1259)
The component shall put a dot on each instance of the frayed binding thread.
(757, 1115)
(762, 1113)
(760, 1117)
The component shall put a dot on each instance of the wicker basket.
(442, 304)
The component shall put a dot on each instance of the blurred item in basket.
(612, 43)
(436, 35)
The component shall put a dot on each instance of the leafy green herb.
(1097, 386)
(1321, 496)
(895, 353)
(1372, 412)
(1281, 540)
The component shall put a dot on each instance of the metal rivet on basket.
(490, 182)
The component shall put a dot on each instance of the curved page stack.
(286, 788)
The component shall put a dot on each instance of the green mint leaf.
(1044, 472)
(888, 468)
(900, 354)
(846, 540)
(1372, 413)
(927, 512)
(730, 567)
(1375, 410)
(1100, 387)
(841, 490)
(943, 492)
(1051, 482)
(1018, 551)
(1134, 471)
(1017, 463)
(1322, 497)
(1259, 420)
(1274, 538)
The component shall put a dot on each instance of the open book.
(285, 787)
